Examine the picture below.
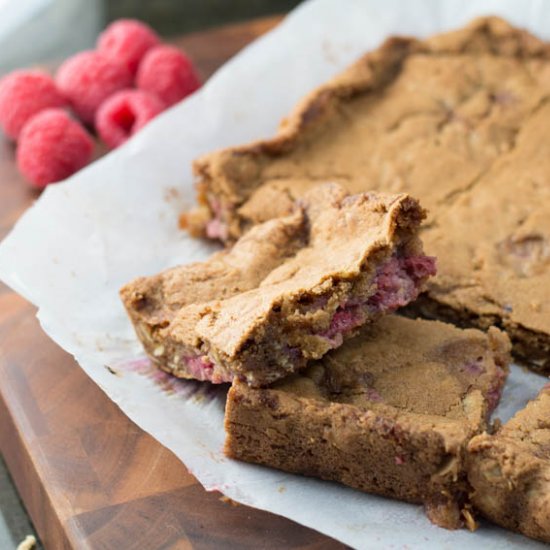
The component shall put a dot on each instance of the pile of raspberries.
(115, 90)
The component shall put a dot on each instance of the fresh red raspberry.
(52, 146)
(168, 73)
(22, 95)
(126, 41)
(125, 113)
(88, 78)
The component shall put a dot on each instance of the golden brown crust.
(232, 174)
(360, 415)
(153, 302)
(490, 35)
(510, 471)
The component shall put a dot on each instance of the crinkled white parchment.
(117, 219)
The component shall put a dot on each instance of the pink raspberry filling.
(216, 228)
(201, 368)
(495, 391)
(398, 282)
(474, 368)
(344, 320)
(373, 395)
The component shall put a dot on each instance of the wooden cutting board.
(89, 477)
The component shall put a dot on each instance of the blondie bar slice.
(510, 471)
(422, 117)
(390, 412)
(493, 248)
(290, 290)
(459, 120)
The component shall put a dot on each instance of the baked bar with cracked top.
(361, 415)
(422, 117)
(510, 471)
(289, 291)
(493, 248)
(459, 120)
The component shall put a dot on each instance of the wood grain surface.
(89, 477)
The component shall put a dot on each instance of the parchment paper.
(117, 219)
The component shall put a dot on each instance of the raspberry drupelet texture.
(125, 113)
(167, 72)
(88, 78)
(52, 146)
(23, 94)
(127, 41)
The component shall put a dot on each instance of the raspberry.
(88, 78)
(126, 41)
(52, 146)
(22, 95)
(125, 113)
(168, 73)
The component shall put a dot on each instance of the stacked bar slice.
(510, 471)
(390, 412)
(289, 291)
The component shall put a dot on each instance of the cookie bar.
(422, 117)
(360, 415)
(510, 471)
(289, 291)
(458, 120)
(494, 248)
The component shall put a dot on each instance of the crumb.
(469, 520)
(227, 500)
(495, 426)
(28, 543)
(183, 221)
(171, 193)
